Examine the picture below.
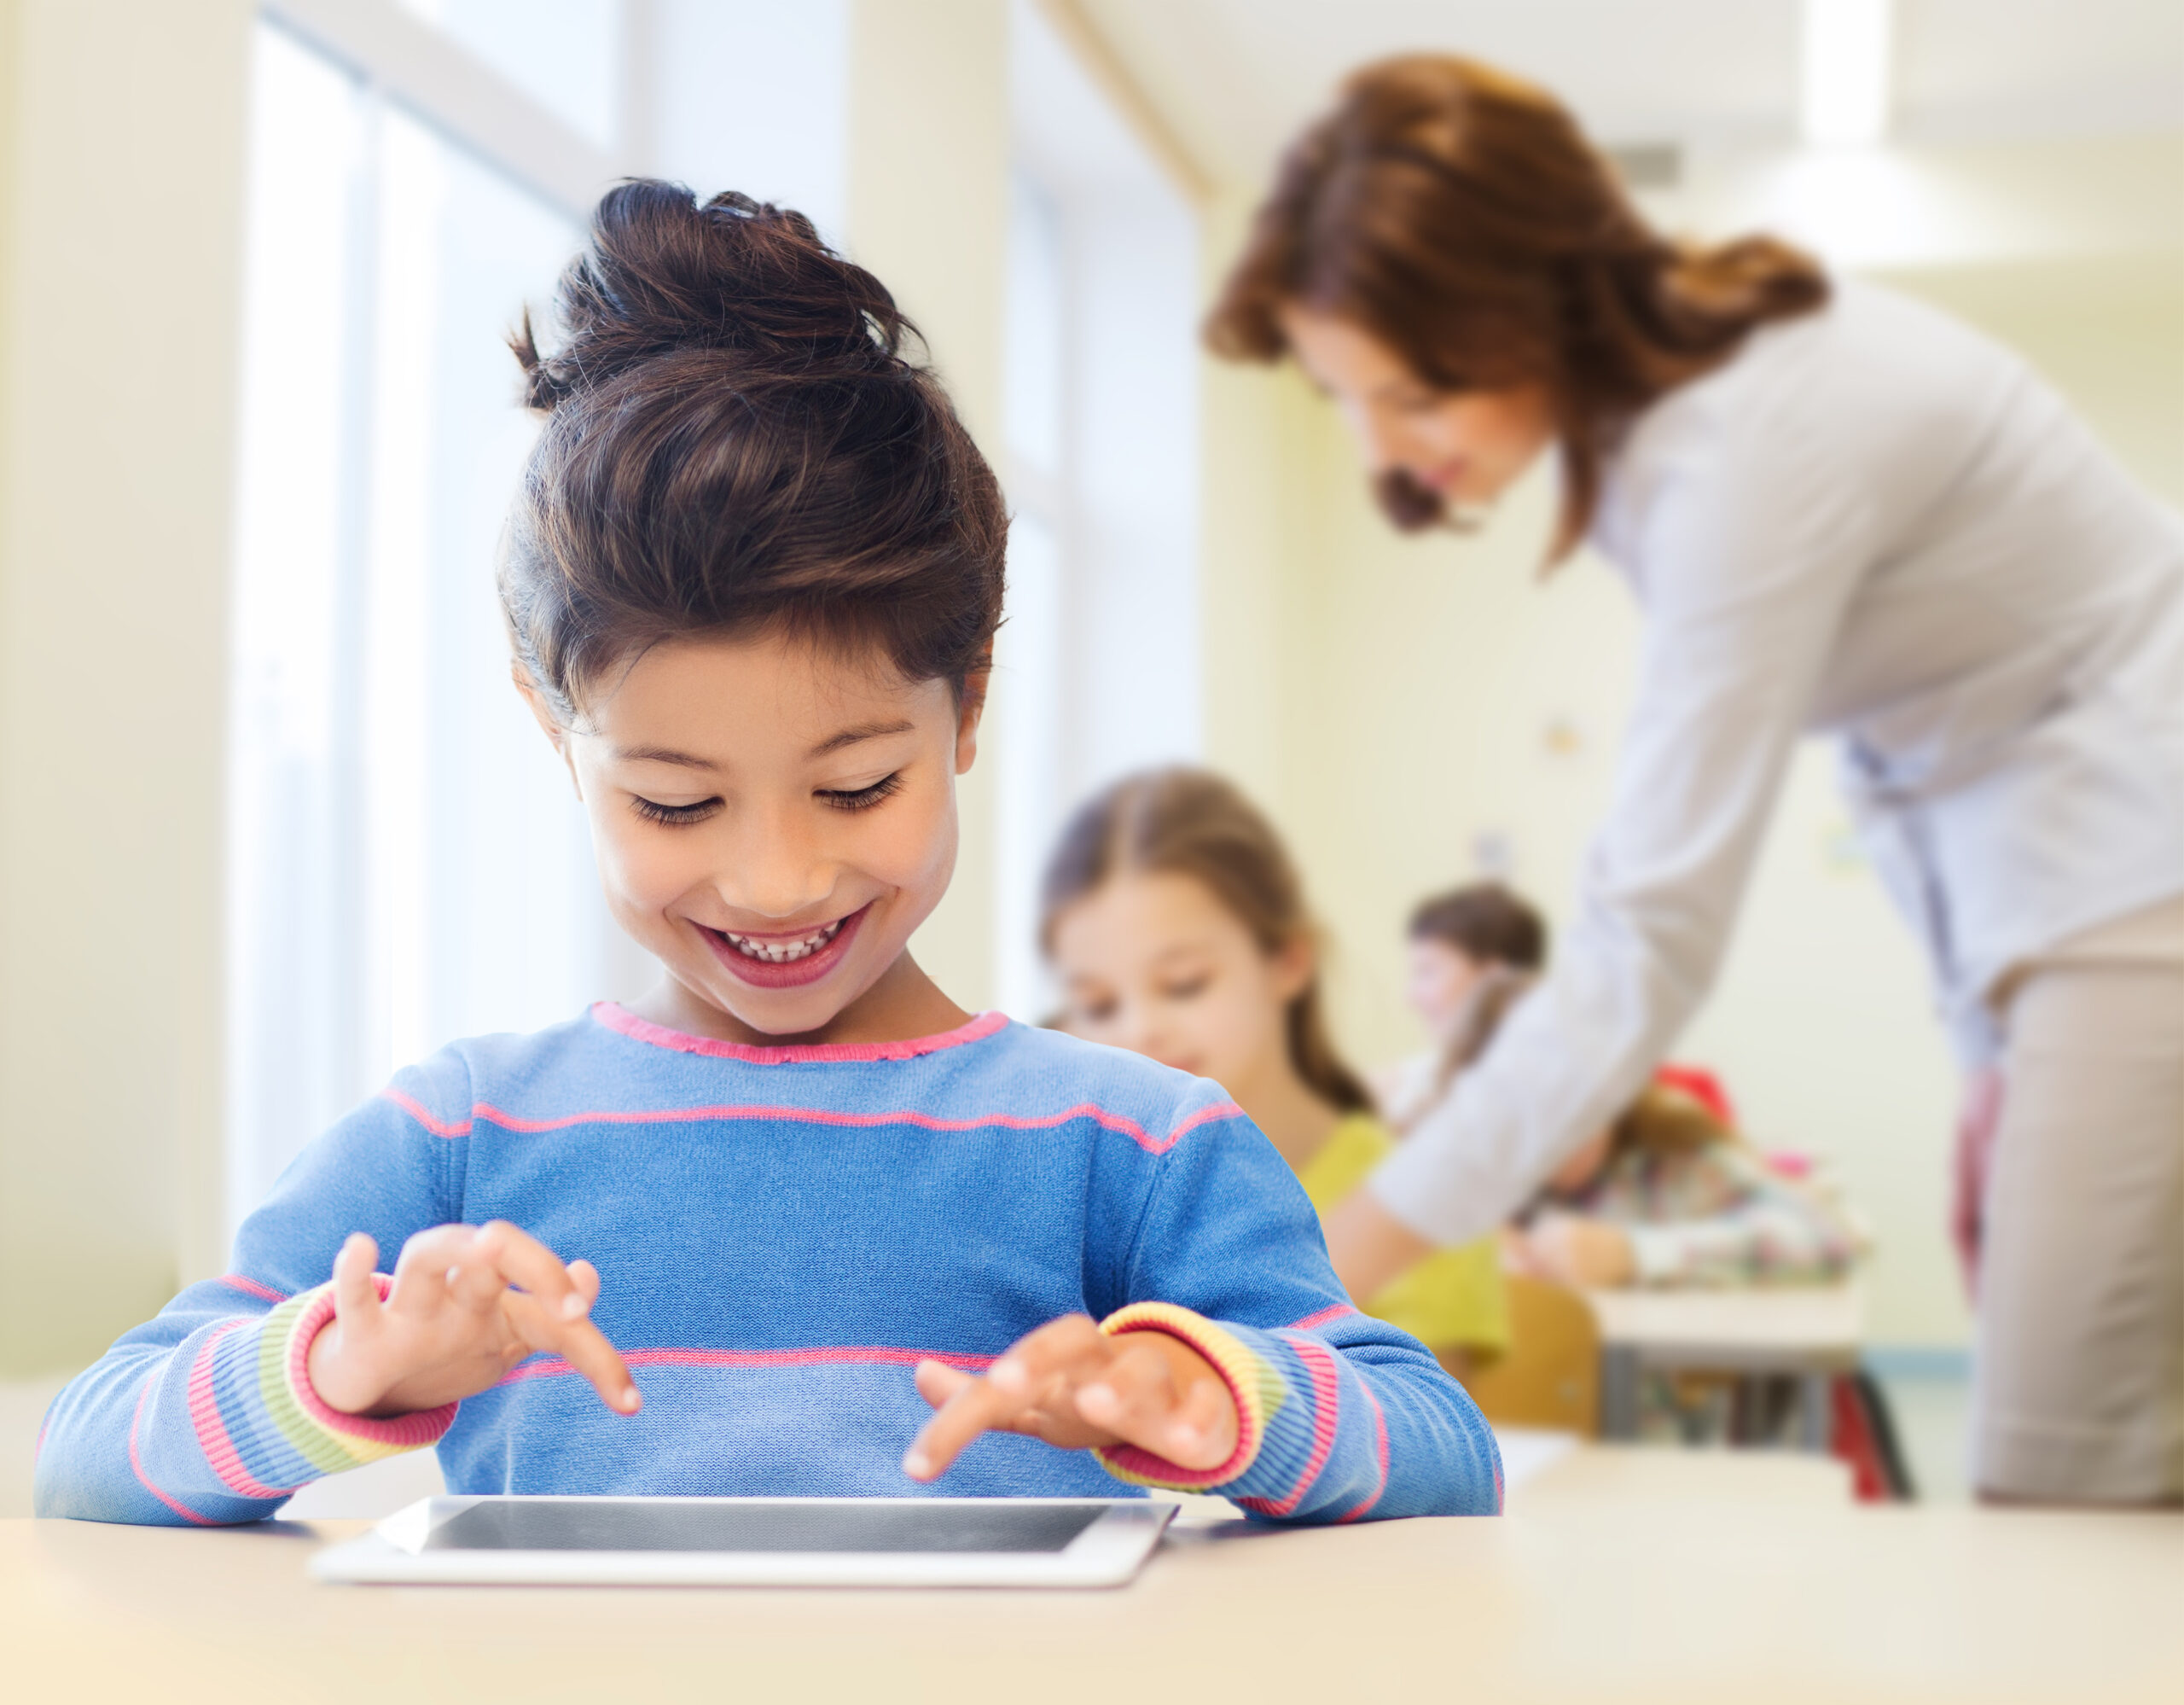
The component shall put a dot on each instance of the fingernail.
(573, 1306)
(917, 1465)
(1006, 1373)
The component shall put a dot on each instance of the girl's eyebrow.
(658, 755)
(849, 736)
(862, 730)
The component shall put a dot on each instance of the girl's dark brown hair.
(1191, 823)
(736, 440)
(1460, 215)
(1487, 920)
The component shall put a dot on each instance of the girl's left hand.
(1075, 1387)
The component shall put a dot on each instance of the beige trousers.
(2078, 1387)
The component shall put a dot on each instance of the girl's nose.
(1144, 1034)
(776, 874)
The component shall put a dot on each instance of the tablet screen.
(552, 1524)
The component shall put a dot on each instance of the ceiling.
(1233, 79)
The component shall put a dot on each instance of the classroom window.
(404, 864)
(1097, 667)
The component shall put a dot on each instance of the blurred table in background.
(1636, 1575)
(1809, 1333)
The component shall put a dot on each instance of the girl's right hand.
(454, 1322)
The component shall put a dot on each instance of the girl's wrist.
(335, 1384)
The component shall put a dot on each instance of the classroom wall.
(1417, 710)
(929, 132)
(121, 186)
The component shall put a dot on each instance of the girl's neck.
(1295, 1120)
(903, 1005)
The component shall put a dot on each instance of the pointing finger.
(578, 1343)
(936, 1381)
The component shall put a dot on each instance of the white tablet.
(756, 1542)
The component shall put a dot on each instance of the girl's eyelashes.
(652, 811)
(864, 799)
(1186, 988)
(841, 798)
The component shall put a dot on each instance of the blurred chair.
(1550, 1374)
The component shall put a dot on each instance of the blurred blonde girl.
(1176, 920)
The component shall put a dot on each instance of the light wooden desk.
(1813, 1333)
(1632, 1575)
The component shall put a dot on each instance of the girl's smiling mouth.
(785, 960)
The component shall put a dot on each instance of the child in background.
(851, 1238)
(1671, 1195)
(1178, 925)
(1458, 942)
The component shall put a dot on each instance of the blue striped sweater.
(781, 1233)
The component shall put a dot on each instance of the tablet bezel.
(1107, 1553)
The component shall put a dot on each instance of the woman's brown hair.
(737, 439)
(1459, 216)
(1191, 823)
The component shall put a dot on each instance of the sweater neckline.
(620, 1020)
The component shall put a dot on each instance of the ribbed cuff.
(323, 1436)
(1254, 1387)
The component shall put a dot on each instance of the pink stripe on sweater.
(625, 1023)
(485, 1113)
(829, 1355)
(137, 1462)
(417, 1110)
(1334, 1311)
(212, 1432)
(250, 1286)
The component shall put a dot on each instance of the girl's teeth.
(782, 953)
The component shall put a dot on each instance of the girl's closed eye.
(654, 812)
(1094, 1008)
(1187, 988)
(864, 798)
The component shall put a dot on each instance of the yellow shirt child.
(1453, 1299)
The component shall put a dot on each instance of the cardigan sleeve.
(1746, 547)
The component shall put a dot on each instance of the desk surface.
(1818, 1326)
(1634, 1575)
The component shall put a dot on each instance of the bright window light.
(1846, 71)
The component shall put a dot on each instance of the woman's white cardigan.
(1876, 523)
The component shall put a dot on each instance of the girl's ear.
(1295, 966)
(542, 713)
(970, 709)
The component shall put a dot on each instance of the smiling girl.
(1176, 923)
(850, 1237)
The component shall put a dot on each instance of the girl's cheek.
(644, 871)
(911, 848)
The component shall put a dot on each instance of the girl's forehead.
(744, 688)
(1158, 909)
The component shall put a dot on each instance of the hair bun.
(662, 274)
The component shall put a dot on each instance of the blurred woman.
(1839, 510)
